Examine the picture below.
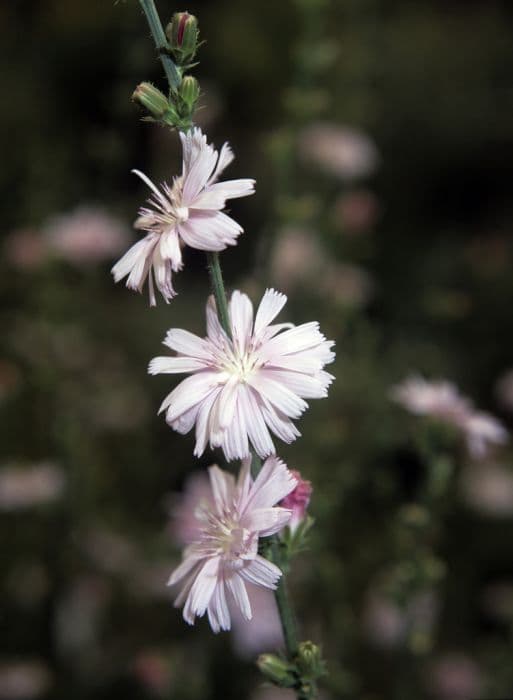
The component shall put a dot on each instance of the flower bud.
(277, 670)
(182, 33)
(297, 501)
(309, 660)
(150, 97)
(189, 92)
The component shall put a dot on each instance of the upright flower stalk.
(249, 377)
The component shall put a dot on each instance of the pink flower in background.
(225, 555)
(342, 151)
(455, 676)
(250, 637)
(24, 680)
(482, 431)
(152, 669)
(23, 487)
(244, 386)
(26, 249)
(187, 212)
(441, 400)
(488, 488)
(297, 500)
(297, 256)
(357, 211)
(86, 236)
(300, 262)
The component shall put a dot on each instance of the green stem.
(173, 75)
(216, 279)
(281, 594)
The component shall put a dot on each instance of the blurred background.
(381, 138)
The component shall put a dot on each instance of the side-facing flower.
(441, 400)
(245, 386)
(189, 212)
(225, 554)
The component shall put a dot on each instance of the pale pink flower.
(441, 400)
(225, 555)
(342, 151)
(23, 487)
(187, 212)
(86, 236)
(481, 432)
(23, 680)
(250, 637)
(244, 386)
(297, 257)
(152, 669)
(357, 211)
(298, 500)
(455, 676)
(25, 249)
(488, 487)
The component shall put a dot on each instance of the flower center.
(182, 214)
(241, 365)
(232, 541)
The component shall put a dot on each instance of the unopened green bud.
(189, 91)
(309, 660)
(277, 670)
(183, 34)
(150, 97)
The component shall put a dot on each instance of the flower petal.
(188, 393)
(266, 521)
(238, 590)
(187, 343)
(184, 568)
(170, 249)
(262, 572)
(222, 484)
(255, 423)
(218, 612)
(279, 395)
(241, 320)
(202, 589)
(273, 483)
(215, 196)
(175, 365)
(270, 306)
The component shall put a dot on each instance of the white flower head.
(224, 557)
(245, 386)
(186, 213)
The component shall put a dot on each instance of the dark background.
(423, 284)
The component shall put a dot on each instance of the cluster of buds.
(176, 110)
(302, 674)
